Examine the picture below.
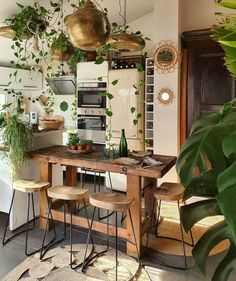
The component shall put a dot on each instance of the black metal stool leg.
(148, 233)
(32, 199)
(8, 220)
(135, 240)
(158, 216)
(182, 236)
(27, 226)
(116, 249)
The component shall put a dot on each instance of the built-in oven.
(90, 94)
(91, 125)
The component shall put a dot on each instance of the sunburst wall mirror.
(166, 56)
(165, 96)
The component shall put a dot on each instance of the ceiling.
(135, 9)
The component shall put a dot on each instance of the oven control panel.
(91, 111)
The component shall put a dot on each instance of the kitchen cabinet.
(32, 171)
(25, 79)
(206, 82)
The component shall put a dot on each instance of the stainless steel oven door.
(89, 97)
(92, 127)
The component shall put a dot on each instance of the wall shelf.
(149, 99)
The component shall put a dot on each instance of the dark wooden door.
(208, 84)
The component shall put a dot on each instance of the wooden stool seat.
(111, 201)
(69, 193)
(28, 185)
(169, 191)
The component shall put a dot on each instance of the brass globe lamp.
(88, 27)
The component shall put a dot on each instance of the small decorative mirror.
(166, 56)
(165, 96)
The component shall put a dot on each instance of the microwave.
(90, 94)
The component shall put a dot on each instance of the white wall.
(199, 14)
(145, 25)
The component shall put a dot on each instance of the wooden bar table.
(95, 161)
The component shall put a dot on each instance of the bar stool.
(69, 194)
(97, 172)
(28, 186)
(172, 192)
(110, 202)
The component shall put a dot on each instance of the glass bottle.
(123, 148)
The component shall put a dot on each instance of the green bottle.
(123, 148)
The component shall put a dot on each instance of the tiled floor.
(13, 253)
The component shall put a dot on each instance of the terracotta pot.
(88, 146)
(88, 27)
(80, 147)
(73, 147)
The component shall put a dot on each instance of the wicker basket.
(51, 124)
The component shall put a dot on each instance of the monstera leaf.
(208, 241)
(207, 168)
(204, 145)
(227, 3)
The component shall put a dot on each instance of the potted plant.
(61, 48)
(80, 144)
(18, 137)
(73, 142)
(88, 145)
(207, 167)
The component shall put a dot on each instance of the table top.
(95, 160)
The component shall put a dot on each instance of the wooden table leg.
(134, 190)
(149, 197)
(45, 176)
(71, 175)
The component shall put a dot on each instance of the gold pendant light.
(126, 42)
(88, 27)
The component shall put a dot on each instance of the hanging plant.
(62, 49)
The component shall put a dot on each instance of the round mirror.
(166, 56)
(165, 96)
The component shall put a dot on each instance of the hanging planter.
(125, 42)
(62, 49)
(88, 27)
(9, 32)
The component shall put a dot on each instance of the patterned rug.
(55, 267)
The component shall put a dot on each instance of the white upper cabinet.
(25, 79)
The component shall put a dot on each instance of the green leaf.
(227, 178)
(227, 3)
(132, 109)
(229, 146)
(214, 235)
(135, 122)
(99, 60)
(114, 82)
(194, 212)
(140, 131)
(205, 142)
(109, 112)
(139, 67)
(226, 201)
(203, 185)
(110, 96)
(139, 115)
(99, 78)
(226, 266)
(64, 106)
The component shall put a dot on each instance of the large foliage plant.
(207, 166)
